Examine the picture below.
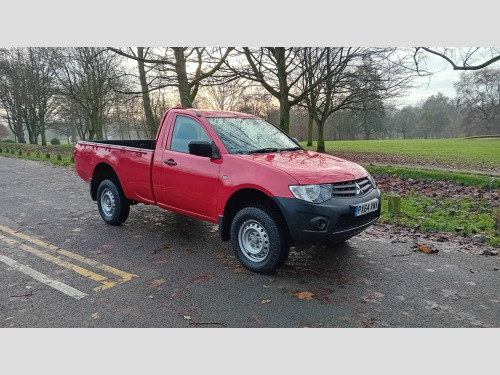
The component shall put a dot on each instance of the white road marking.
(66, 289)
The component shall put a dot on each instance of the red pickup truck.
(266, 193)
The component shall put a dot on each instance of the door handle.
(170, 162)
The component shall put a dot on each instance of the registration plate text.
(365, 208)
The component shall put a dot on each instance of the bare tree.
(41, 89)
(11, 95)
(226, 97)
(360, 79)
(479, 94)
(87, 77)
(435, 115)
(186, 69)
(27, 88)
(280, 72)
(406, 120)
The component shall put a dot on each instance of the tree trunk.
(365, 125)
(182, 79)
(20, 135)
(30, 134)
(310, 124)
(42, 132)
(321, 138)
(285, 114)
(151, 124)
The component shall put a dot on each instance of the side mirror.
(203, 148)
(296, 141)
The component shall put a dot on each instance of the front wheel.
(259, 240)
(113, 205)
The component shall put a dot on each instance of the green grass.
(487, 149)
(439, 214)
(39, 153)
(468, 179)
(477, 150)
(62, 148)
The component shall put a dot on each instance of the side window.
(185, 131)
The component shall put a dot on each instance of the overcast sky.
(442, 81)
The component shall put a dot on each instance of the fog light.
(318, 223)
(321, 224)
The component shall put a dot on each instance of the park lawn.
(476, 150)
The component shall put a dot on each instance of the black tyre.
(113, 205)
(259, 240)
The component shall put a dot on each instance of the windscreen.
(251, 135)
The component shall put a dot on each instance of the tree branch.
(150, 61)
(458, 67)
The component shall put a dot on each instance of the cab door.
(189, 182)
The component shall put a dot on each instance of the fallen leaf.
(265, 301)
(304, 295)
(202, 278)
(95, 315)
(187, 317)
(425, 249)
(156, 283)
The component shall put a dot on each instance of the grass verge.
(56, 155)
(465, 217)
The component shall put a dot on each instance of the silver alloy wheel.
(108, 203)
(253, 240)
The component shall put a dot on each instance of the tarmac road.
(62, 266)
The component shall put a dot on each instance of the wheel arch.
(102, 171)
(247, 197)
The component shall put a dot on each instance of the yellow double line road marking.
(105, 283)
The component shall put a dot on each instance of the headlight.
(372, 180)
(312, 193)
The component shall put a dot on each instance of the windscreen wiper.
(274, 149)
(264, 150)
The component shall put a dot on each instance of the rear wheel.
(259, 240)
(113, 206)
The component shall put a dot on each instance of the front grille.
(348, 221)
(354, 188)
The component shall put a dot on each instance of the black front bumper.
(328, 222)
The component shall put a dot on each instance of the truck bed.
(148, 144)
(130, 159)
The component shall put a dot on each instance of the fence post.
(394, 203)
